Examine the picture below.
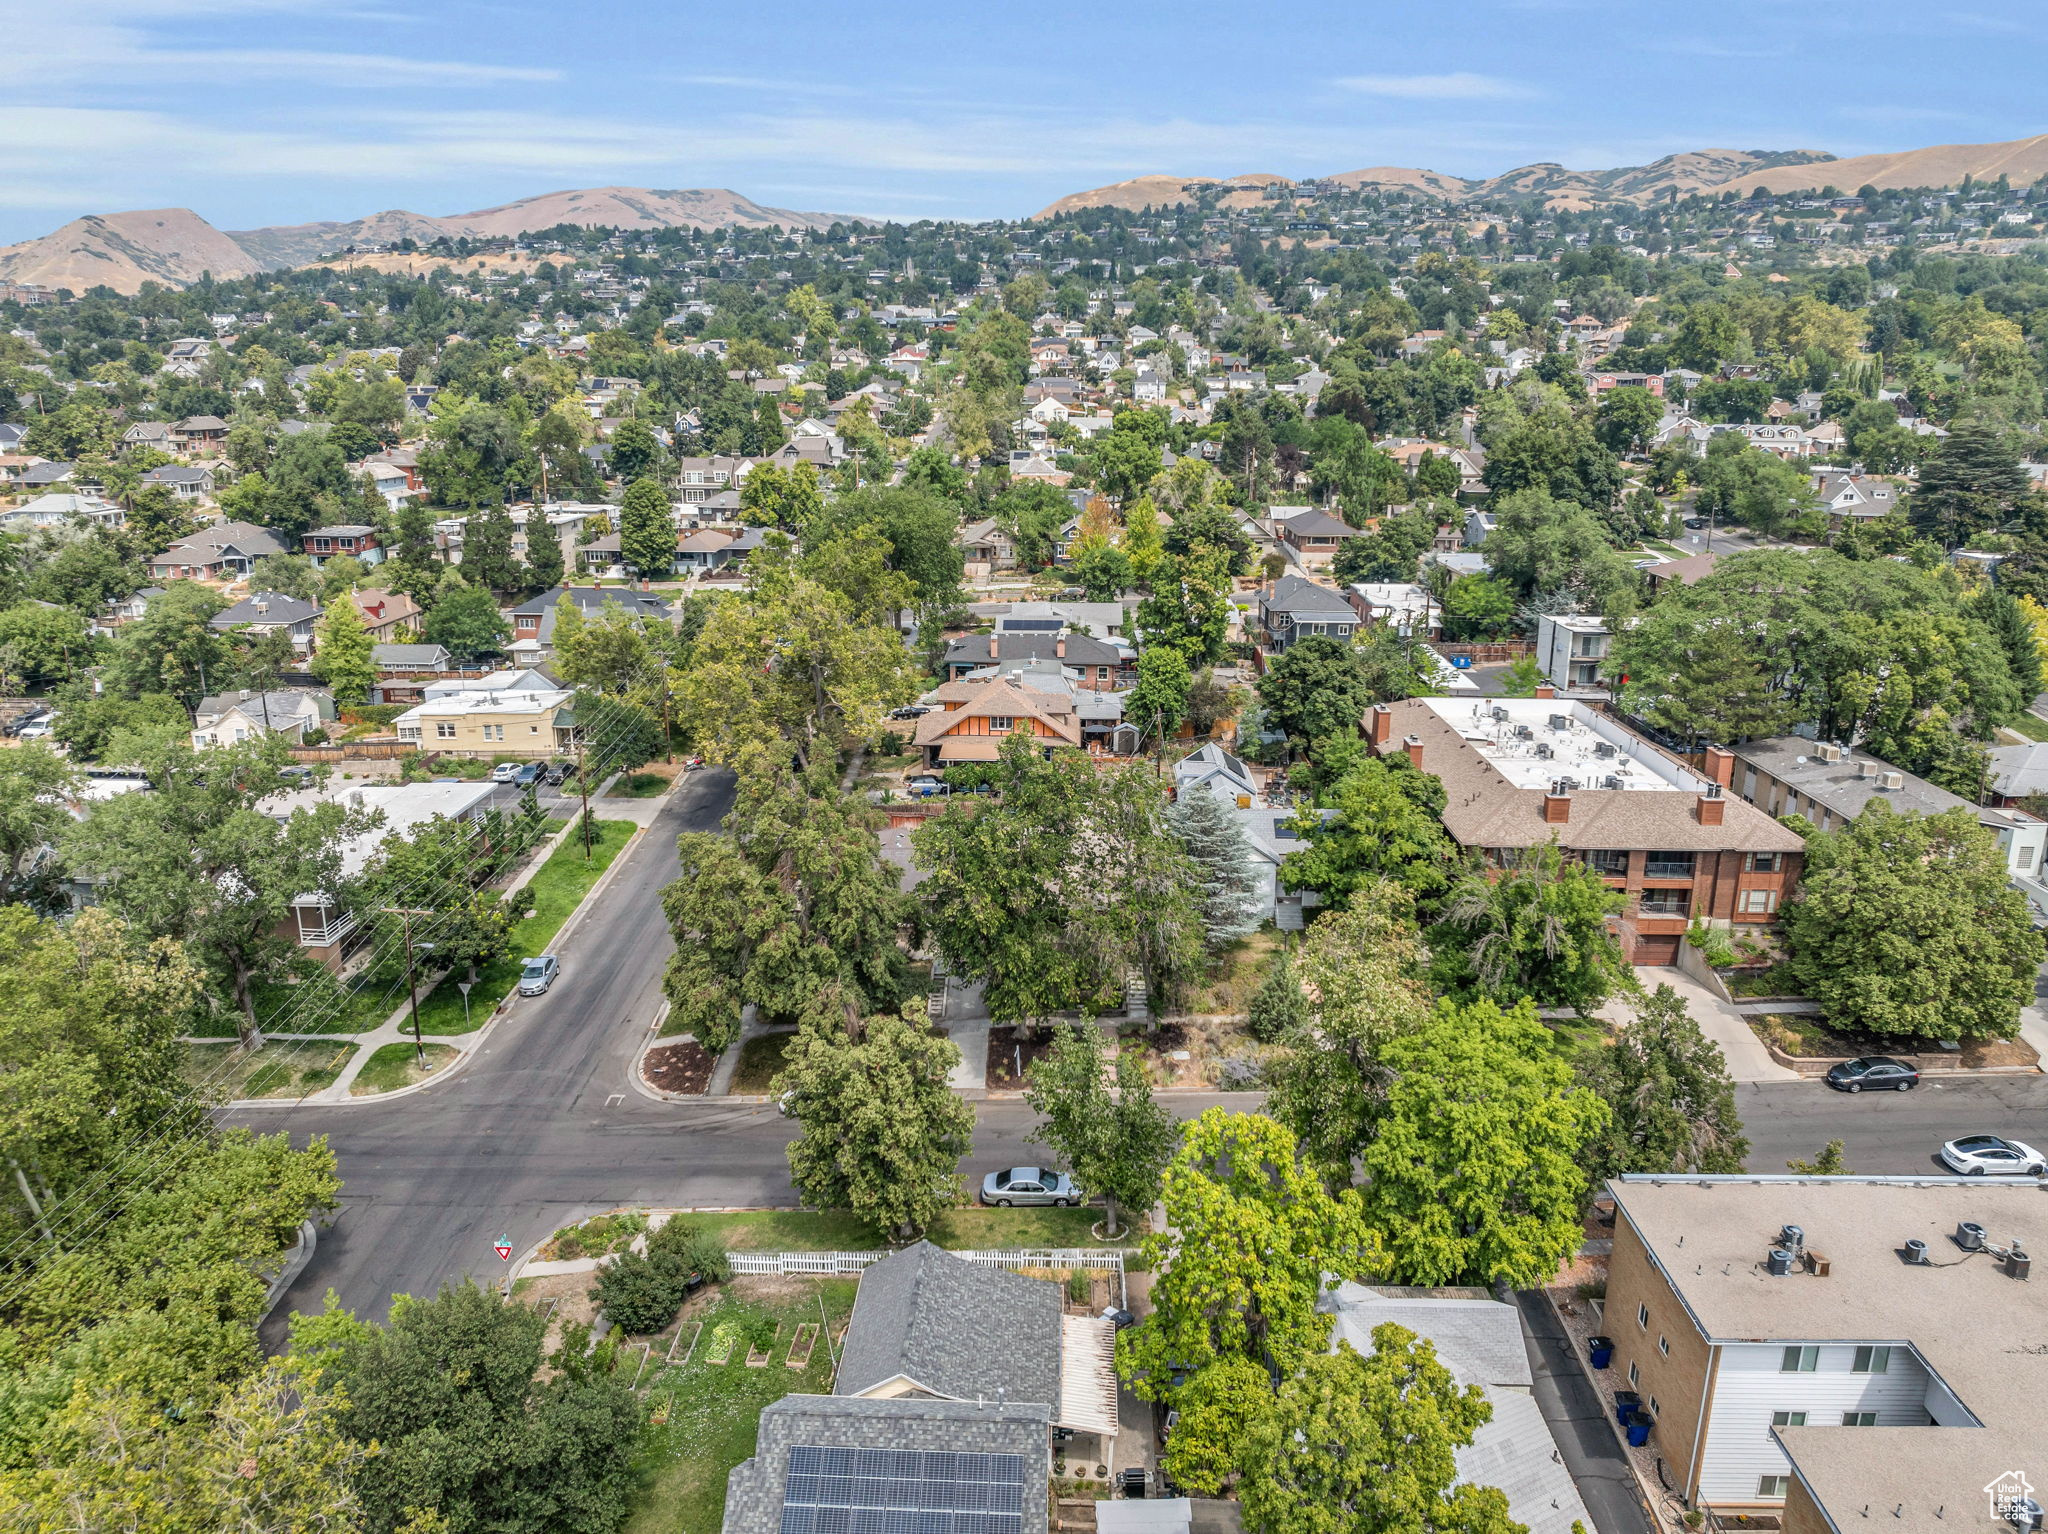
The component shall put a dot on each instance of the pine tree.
(2001, 612)
(647, 533)
(543, 552)
(1722, 694)
(1231, 900)
(1279, 1005)
(1669, 1090)
(343, 658)
(487, 550)
(1968, 487)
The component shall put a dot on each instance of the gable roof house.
(222, 552)
(927, 1409)
(986, 543)
(356, 540)
(533, 621)
(385, 612)
(1101, 665)
(1294, 607)
(185, 481)
(227, 717)
(975, 717)
(60, 508)
(270, 612)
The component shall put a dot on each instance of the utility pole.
(583, 787)
(412, 984)
(667, 740)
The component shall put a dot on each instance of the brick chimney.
(1059, 646)
(1711, 806)
(1545, 690)
(1721, 766)
(1557, 807)
(1380, 725)
(992, 647)
(1412, 744)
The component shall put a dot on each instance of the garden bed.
(1199, 1053)
(598, 1236)
(1232, 974)
(969, 1227)
(1807, 1044)
(681, 1067)
(1010, 1058)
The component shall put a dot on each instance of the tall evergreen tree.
(1972, 484)
(487, 558)
(1670, 1094)
(2000, 612)
(543, 552)
(1721, 694)
(647, 533)
(1230, 900)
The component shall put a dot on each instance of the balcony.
(1657, 866)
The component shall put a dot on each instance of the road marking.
(614, 1099)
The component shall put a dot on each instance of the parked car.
(505, 772)
(539, 974)
(557, 770)
(1873, 1073)
(1991, 1155)
(298, 775)
(1029, 1185)
(20, 724)
(1696, 523)
(1118, 1318)
(40, 727)
(928, 787)
(910, 711)
(528, 775)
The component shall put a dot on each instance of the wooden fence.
(379, 748)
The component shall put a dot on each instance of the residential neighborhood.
(1345, 852)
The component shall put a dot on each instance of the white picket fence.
(1098, 1258)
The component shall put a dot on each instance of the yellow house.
(537, 723)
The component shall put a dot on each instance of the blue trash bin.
(1626, 1402)
(1639, 1424)
(1602, 1351)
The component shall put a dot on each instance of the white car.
(539, 974)
(1989, 1155)
(505, 772)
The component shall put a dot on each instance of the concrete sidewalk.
(1747, 1058)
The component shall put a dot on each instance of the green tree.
(466, 619)
(1719, 690)
(34, 784)
(1159, 701)
(472, 1420)
(1050, 893)
(1100, 569)
(1540, 544)
(1189, 608)
(1906, 924)
(1477, 1167)
(1670, 1098)
(1385, 825)
(1113, 1144)
(1219, 1407)
(41, 645)
(544, 564)
(1626, 417)
(793, 910)
(1479, 607)
(1389, 554)
(1250, 1234)
(1315, 690)
(487, 559)
(1829, 1163)
(647, 532)
(881, 1130)
(1367, 1446)
(1364, 965)
(1279, 1005)
(197, 861)
(1235, 892)
(1971, 484)
(1535, 929)
(635, 452)
(342, 660)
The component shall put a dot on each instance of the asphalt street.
(544, 1126)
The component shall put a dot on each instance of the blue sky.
(278, 111)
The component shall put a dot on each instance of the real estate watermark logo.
(2012, 1498)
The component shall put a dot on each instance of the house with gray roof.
(1479, 1340)
(1100, 664)
(1294, 607)
(269, 612)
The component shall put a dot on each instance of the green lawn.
(968, 1228)
(2033, 726)
(760, 1060)
(395, 1066)
(278, 1070)
(713, 1411)
(558, 888)
(638, 785)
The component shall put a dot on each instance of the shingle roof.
(1079, 649)
(1301, 598)
(955, 1328)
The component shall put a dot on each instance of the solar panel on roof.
(836, 1490)
(1033, 625)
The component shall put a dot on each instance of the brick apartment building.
(1888, 1369)
(1519, 771)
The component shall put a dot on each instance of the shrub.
(691, 1250)
(639, 1294)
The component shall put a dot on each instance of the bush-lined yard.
(968, 1228)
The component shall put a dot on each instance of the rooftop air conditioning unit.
(1543, 749)
(1604, 749)
(1830, 753)
(1891, 780)
(1610, 781)
(1866, 769)
(1500, 715)
(1523, 732)
(1560, 721)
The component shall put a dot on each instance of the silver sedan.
(1030, 1185)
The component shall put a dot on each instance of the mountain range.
(174, 246)
(1699, 170)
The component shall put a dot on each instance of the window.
(1001, 723)
(1643, 1317)
(1859, 1419)
(1655, 1409)
(444, 729)
(1800, 1360)
(1872, 1360)
(1788, 1419)
(1762, 862)
(1668, 865)
(1666, 902)
(1664, 1346)
(2026, 858)
(1613, 864)
(1634, 1375)
(1757, 902)
(1772, 1485)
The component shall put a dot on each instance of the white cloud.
(1461, 86)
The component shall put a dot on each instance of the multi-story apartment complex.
(492, 723)
(1518, 772)
(1842, 1352)
(1570, 649)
